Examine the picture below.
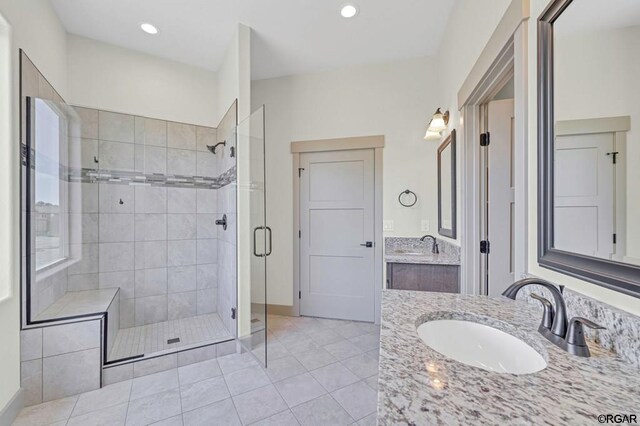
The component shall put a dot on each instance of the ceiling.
(289, 36)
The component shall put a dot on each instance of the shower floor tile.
(153, 338)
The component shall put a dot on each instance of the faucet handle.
(575, 340)
(549, 312)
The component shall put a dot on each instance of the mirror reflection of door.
(584, 197)
(596, 64)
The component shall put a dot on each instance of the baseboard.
(10, 412)
(281, 310)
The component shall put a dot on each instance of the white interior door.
(583, 199)
(337, 221)
(500, 196)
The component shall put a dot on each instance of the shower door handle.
(270, 241)
(255, 245)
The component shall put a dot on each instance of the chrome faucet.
(434, 247)
(554, 322)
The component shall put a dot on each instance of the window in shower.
(49, 221)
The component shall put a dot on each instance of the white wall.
(107, 77)
(36, 29)
(234, 75)
(234, 83)
(470, 26)
(394, 100)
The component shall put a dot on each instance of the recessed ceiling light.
(148, 28)
(349, 10)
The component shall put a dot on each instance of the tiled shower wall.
(158, 244)
(227, 244)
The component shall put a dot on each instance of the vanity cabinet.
(423, 277)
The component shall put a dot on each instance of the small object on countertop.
(407, 192)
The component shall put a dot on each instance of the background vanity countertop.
(425, 259)
(449, 253)
(420, 386)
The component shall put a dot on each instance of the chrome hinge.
(484, 247)
(485, 139)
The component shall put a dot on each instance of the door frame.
(504, 56)
(376, 143)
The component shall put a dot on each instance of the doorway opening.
(494, 112)
(497, 189)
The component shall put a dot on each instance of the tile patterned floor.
(321, 372)
(152, 338)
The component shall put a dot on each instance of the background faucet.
(434, 247)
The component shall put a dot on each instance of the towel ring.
(407, 192)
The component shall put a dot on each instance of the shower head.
(212, 148)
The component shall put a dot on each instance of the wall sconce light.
(432, 136)
(437, 124)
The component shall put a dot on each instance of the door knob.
(368, 244)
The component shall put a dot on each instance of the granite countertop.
(423, 258)
(412, 250)
(419, 386)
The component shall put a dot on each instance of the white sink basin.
(481, 346)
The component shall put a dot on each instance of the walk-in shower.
(120, 217)
(130, 242)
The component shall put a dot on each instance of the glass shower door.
(254, 238)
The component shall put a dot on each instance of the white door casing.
(501, 196)
(584, 194)
(336, 218)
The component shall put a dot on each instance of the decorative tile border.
(136, 178)
(151, 179)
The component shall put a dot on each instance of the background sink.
(481, 346)
(409, 252)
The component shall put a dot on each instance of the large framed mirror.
(588, 139)
(447, 186)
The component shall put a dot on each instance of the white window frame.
(7, 167)
(63, 157)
